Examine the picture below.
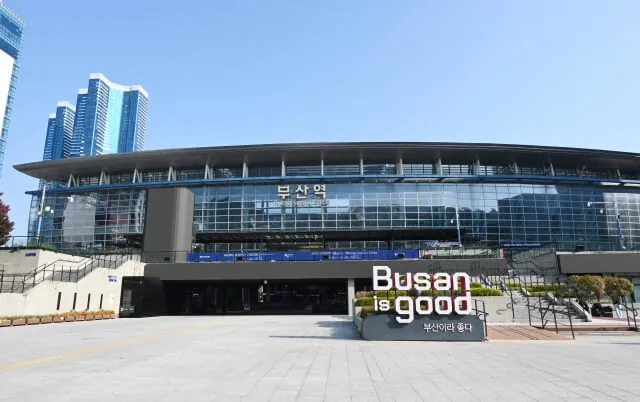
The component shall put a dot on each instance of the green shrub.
(364, 301)
(364, 294)
(476, 285)
(486, 292)
(435, 293)
(383, 294)
(368, 301)
(616, 287)
(553, 288)
(586, 287)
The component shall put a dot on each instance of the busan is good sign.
(406, 307)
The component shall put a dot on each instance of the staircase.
(539, 261)
(20, 283)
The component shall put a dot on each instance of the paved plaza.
(299, 358)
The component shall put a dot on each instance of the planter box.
(33, 321)
(58, 319)
(46, 320)
(5, 323)
(19, 321)
(88, 318)
(114, 316)
(69, 318)
(98, 317)
(79, 318)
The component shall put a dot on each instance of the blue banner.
(301, 255)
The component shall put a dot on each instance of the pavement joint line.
(104, 346)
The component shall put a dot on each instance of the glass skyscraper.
(11, 33)
(110, 118)
(59, 132)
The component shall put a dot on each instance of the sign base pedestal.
(443, 328)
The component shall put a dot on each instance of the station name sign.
(406, 307)
(302, 195)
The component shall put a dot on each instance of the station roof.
(332, 153)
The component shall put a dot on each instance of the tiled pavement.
(303, 358)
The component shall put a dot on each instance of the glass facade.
(593, 217)
(110, 118)
(11, 39)
(133, 125)
(89, 220)
(59, 132)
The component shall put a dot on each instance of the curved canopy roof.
(332, 153)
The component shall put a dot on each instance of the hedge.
(547, 288)
(486, 292)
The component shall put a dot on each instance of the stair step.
(595, 328)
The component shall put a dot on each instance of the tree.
(616, 287)
(586, 287)
(6, 226)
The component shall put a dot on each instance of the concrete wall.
(618, 262)
(168, 224)
(43, 298)
(23, 261)
(313, 269)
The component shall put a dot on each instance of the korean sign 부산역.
(302, 195)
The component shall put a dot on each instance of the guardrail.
(19, 283)
(481, 312)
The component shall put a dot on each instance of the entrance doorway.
(256, 297)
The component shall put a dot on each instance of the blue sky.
(241, 72)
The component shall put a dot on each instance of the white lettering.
(382, 273)
(398, 281)
(462, 304)
(409, 311)
(424, 300)
(443, 300)
(461, 277)
(441, 281)
(421, 282)
(406, 306)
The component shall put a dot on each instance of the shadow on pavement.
(342, 329)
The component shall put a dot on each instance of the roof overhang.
(331, 153)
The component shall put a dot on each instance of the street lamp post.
(615, 210)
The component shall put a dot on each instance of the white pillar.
(104, 178)
(351, 295)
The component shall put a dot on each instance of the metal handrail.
(482, 314)
(27, 282)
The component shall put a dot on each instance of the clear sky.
(239, 72)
